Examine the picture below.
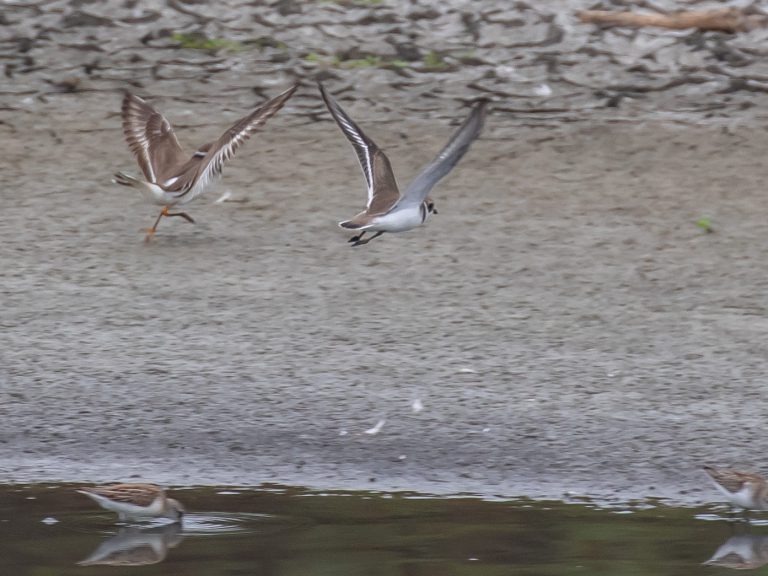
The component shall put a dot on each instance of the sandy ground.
(565, 323)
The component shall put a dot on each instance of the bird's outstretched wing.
(208, 161)
(449, 156)
(383, 193)
(151, 139)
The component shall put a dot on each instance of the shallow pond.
(286, 531)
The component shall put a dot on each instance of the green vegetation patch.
(705, 223)
(199, 41)
(369, 61)
(435, 61)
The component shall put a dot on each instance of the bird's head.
(175, 510)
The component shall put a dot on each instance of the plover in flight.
(742, 489)
(172, 177)
(388, 210)
(135, 501)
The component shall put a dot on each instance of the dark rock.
(78, 18)
(24, 45)
(288, 7)
(406, 50)
(144, 18)
(280, 57)
(426, 14)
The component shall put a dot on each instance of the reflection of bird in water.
(742, 489)
(135, 501)
(741, 552)
(133, 546)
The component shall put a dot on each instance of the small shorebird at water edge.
(742, 489)
(172, 177)
(135, 501)
(387, 209)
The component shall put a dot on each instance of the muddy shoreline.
(564, 321)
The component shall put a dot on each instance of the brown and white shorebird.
(742, 489)
(135, 501)
(172, 177)
(388, 210)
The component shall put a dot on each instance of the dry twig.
(727, 20)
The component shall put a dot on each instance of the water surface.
(290, 531)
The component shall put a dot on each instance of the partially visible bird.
(135, 501)
(742, 489)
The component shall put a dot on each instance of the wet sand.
(564, 321)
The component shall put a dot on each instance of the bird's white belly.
(153, 193)
(397, 220)
(744, 498)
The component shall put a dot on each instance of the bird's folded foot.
(358, 241)
(184, 215)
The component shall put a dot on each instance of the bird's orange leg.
(151, 231)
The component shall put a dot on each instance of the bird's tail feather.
(350, 224)
(126, 180)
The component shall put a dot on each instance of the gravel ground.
(565, 323)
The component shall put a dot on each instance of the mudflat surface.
(563, 321)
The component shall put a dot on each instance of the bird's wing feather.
(138, 494)
(733, 480)
(197, 175)
(151, 139)
(448, 157)
(383, 193)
